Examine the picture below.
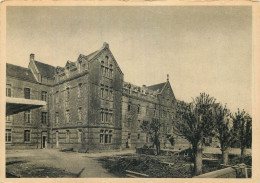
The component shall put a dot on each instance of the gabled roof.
(45, 69)
(92, 55)
(19, 72)
(156, 87)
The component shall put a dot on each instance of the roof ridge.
(44, 63)
(18, 66)
(158, 84)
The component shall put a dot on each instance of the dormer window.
(106, 60)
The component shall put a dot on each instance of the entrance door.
(43, 141)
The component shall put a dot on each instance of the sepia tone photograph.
(128, 92)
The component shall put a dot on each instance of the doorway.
(43, 142)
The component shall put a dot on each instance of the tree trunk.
(243, 153)
(198, 160)
(225, 154)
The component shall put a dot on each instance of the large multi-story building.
(89, 106)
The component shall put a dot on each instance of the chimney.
(31, 57)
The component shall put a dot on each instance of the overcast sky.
(203, 49)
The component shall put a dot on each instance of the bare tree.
(243, 124)
(194, 121)
(153, 130)
(224, 131)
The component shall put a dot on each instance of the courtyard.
(52, 163)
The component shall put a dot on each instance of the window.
(138, 136)
(27, 135)
(8, 90)
(111, 95)
(80, 90)
(80, 114)
(106, 93)
(210, 139)
(67, 136)
(129, 107)
(102, 116)
(102, 70)
(138, 109)
(44, 117)
(105, 136)
(110, 137)
(79, 135)
(57, 117)
(8, 135)
(67, 116)
(129, 136)
(147, 138)
(110, 117)
(67, 94)
(27, 116)
(27, 93)
(102, 92)
(44, 95)
(106, 117)
(101, 140)
(9, 118)
(139, 124)
(57, 97)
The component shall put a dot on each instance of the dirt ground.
(52, 163)
(161, 166)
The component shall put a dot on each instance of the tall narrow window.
(57, 97)
(79, 135)
(27, 135)
(129, 107)
(67, 136)
(101, 140)
(67, 116)
(102, 70)
(138, 109)
(106, 136)
(111, 95)
(80, 114)
(44, 117)
(27, 116)
(110, 117)
(102, 116)
(57, 117)
(110, 137)
(8, 90)
(102, 92)
(80, 90)
(44, 95)
(106, 93)
(67, 94)
(9, 118)
(27, 93)
(106, 117)
(8, 135)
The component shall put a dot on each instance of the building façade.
(88, 107)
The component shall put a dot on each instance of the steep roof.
(156, 87)
(45, 69)
(19, 72)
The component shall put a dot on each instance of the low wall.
(237, 171)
